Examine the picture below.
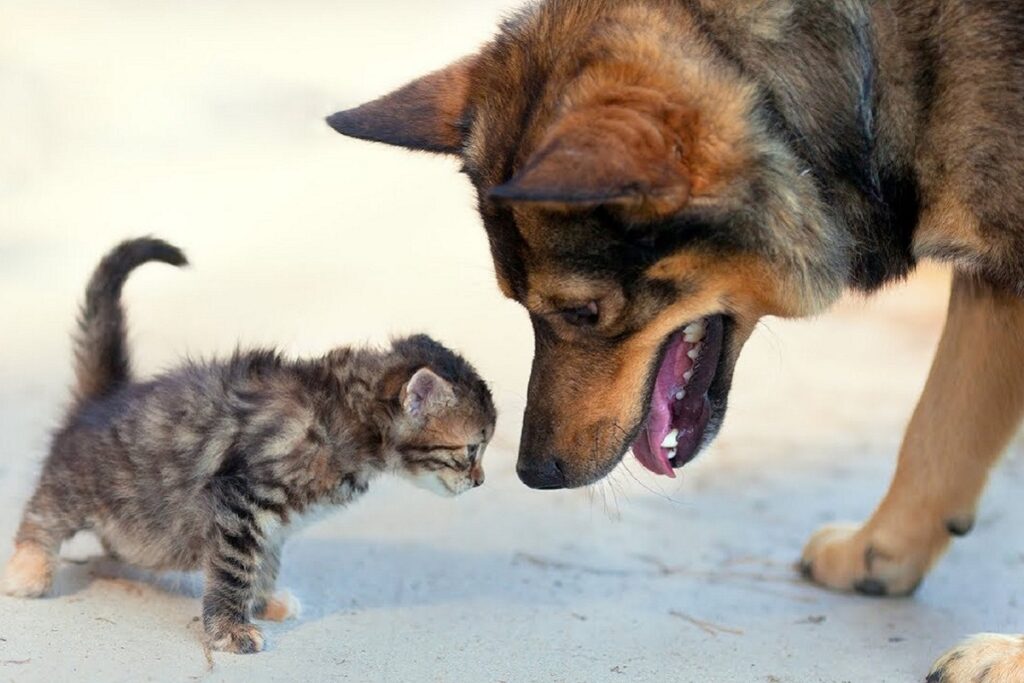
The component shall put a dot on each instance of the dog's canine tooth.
(671, 440)
(694, 332)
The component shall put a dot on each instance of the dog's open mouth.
(680, 407)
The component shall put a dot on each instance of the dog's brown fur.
(645, 163)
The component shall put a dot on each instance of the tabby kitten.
(204, 467)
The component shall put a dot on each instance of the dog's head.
(643, 207)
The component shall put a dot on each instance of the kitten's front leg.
(232, 576)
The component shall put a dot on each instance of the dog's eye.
(582, 316)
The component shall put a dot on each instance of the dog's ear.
(426, 114)
(605, 156)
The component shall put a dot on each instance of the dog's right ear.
(426, 114)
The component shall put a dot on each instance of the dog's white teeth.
(671, 454)
(671, 440)
(681, 394)
(694, 352)
(694, 332)
(688, 375)
(692, 336)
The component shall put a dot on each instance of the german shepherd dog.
(657, 175)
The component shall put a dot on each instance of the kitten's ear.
(425, 393)
(426, 114)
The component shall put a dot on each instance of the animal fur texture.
(651, 171)
(206, 466)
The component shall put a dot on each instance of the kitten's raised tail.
(101, 345)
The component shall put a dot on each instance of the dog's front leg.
(972, 404)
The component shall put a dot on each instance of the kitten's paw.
(241, 639)
(848, 557)
(281, 607)
(29, 572)
(988, 657)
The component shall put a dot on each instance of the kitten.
(204, 467)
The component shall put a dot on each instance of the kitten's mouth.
(680, 407)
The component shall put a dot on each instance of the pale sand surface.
(201, 123)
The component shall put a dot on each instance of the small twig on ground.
(667, 570)
(816, 619)
(706, 626)
(16, 661)
(104, 619)
(758, 588)
(754, 559)
(736, 579)
(545, 563)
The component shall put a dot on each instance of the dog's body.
(657, 175)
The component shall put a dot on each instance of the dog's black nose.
(543, 473)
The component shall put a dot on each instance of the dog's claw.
(872, 588)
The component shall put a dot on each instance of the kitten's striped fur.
(204, 467)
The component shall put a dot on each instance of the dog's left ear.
(426, 114)
(606, 155)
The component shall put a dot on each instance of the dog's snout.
(542, 473)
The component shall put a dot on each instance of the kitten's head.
(445, 421)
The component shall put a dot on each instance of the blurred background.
(202, 123)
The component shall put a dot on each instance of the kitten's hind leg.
(271, 604)
(29, 572)
(44, 526)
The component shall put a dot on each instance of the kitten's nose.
(541, 473)
(477, 475)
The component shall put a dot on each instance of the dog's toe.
(846, 557)
(985, 658)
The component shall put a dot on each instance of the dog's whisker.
(659, 494)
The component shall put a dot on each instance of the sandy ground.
(201, 122)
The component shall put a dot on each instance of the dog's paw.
(29, 572)
(282, 606)
(985, 658)
(846, 557)
(241, 639)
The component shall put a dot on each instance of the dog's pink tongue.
(647, 447)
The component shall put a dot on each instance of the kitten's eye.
(582, 316)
